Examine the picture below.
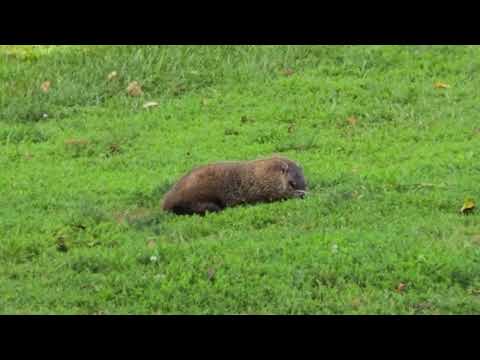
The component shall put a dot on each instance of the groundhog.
(214, 187)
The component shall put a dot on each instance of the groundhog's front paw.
(300, 193)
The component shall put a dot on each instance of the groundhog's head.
(292, 180)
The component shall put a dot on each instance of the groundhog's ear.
(277, 165)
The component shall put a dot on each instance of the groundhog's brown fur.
(217, 186)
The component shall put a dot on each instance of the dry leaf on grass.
(77, 142)
(468, 206)
(356, 302)
(401, 287)
(46, 86)
(114, 149)
(441, 85)
(150, 104)
(151, 244)
(352, 120)
(287, 72)
(134, 89)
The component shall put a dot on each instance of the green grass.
(84, 167)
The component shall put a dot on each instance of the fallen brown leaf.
(356, 302)
(287, 72)
(352, 120)
(77, 142)
(401, 287)
(114, 148)
(441, 85)
(151, 244)
(134, 89)
(46, 86)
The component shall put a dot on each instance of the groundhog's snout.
(296, 182)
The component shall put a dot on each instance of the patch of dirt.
(124, 217)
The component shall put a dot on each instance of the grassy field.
(387, 135)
